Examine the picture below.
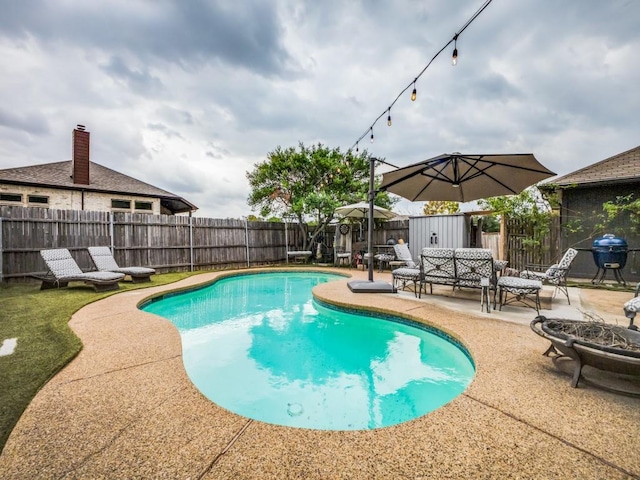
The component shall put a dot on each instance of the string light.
(414, 93)
(454, 58)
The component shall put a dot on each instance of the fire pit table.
(611, 348)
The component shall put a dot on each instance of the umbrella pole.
(372, 195)
(364, 286)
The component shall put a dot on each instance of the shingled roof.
(621, 168)
(103, 179)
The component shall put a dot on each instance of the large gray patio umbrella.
(456, 177)
(461, 178)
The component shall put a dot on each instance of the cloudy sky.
(189, 95)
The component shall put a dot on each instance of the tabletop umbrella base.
(365, 286)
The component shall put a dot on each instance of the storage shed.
(442, 231)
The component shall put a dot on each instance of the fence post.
(286, 242)
(111, 242)
(191, 242)
(246, 238)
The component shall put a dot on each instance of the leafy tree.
(531, 208)
(491, 223)
(308, 184)
(440, 207)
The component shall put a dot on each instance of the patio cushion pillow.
(407, 273)
(553, 271)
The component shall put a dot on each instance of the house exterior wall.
(580, 208)
(73, 199)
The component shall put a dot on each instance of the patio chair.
(404, 255)
(555, 274)
(104, 262)
(632, 307)
(64, 269)
(410, 273)
(342, 256)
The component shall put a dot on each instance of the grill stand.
(602, 272)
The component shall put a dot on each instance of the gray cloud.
(33, 123)
(245, 34)
(141, 81)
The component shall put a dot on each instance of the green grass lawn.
(38, 319)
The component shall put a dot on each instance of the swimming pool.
(260, 346)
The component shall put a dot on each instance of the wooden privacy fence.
(520, 254)
(164, 242)
(178, 243)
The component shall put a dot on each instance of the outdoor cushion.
(519, 286)
(403, 254)
(104, 262)
(473, 264)
(409, 273)
(632, 305)
(438, 262)
(553, 271)
(533, 275)
(405, 275)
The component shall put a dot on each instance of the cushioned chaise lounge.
(64, 269)
(104, 262)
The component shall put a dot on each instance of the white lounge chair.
(64, 269)
(104, 262)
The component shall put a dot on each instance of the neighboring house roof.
(621, 168)
(103, 179)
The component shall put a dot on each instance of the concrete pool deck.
(125, 408)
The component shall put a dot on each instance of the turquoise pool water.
(260, 346)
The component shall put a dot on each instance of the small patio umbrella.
(361, 210)
(462, 178)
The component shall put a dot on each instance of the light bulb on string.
(454, 58)
(414, 94)
(372, 135)
(389, 117)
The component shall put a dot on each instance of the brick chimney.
(80, 162)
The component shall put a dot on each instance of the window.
(144, 205)
(10, 197)
(122, 204)
(39, 199)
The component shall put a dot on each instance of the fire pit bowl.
(610, 348)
